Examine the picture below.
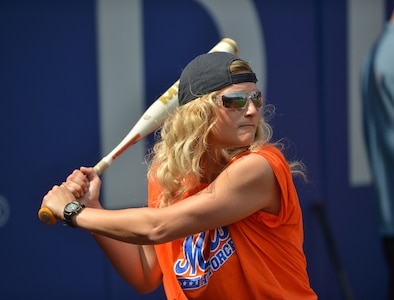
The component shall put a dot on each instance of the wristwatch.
(70, 210)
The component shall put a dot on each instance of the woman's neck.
(212, 164)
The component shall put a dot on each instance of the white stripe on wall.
(121, 96)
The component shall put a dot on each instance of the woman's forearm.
(136, 264)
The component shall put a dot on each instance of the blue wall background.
(49, 125)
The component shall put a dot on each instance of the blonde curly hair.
(176, 158)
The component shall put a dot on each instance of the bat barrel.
(226, 45)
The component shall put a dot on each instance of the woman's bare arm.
(136, 264)
(246, 186)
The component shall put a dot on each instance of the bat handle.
(46, 216)
(102, 165)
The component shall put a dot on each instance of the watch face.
(71, 209)
(72, 206)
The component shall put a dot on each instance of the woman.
(223, 221)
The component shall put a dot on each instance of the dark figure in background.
(378, 117)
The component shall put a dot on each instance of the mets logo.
(202, 256)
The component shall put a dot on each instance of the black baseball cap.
(208, 73)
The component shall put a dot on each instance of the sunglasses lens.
(257, 99)
(234, 100)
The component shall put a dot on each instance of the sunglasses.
(241, 100)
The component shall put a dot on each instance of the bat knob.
(46, 216)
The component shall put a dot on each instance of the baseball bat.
(151, 120)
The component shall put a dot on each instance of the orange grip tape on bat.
(46, 216)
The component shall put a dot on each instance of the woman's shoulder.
(267, 158)
(269, 152)
(249, 164)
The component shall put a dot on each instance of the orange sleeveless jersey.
(260, 257)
